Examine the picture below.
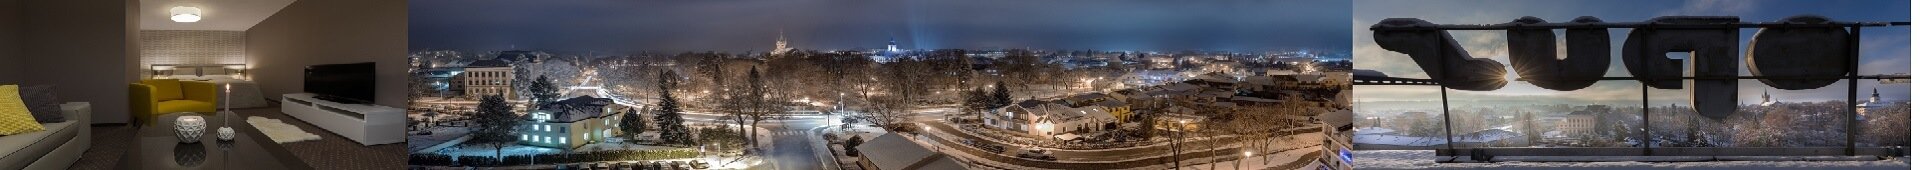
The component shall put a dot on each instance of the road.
(791, 149)
(1187, 158)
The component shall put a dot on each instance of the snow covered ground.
(416, 142)
(1424, 159)
(608, 146)
(489, 151)
(1383, 136)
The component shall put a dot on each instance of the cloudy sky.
(1884, 50)
(752, 25)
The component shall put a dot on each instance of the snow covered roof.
(1112, 103)
(487, 63)
(1254, 99)
(1372, 130)
(1090, 112)
(1085, 97)
(895, 152)
(578, 108)
(1181, 87)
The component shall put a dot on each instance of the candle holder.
(225, 132)
(189, 128)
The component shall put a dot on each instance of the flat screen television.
(350, 83)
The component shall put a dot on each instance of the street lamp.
(926, 133)
(1243, 158)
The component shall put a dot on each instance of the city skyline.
(627, 26)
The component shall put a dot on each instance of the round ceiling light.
(186, 14)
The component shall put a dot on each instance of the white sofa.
(56, 148)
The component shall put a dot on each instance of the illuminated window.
(563, 140)
(523, 136)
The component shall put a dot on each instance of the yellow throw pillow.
(14, 118)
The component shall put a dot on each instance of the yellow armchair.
(156, 97)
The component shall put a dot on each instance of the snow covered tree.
(497, 124)
(851, 143)
(542, 92)
(977, 101)
(522, 77)
(1887, 126)
(1001, 98)
(673, 128)
(631, 124)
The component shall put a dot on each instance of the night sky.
(618, 26)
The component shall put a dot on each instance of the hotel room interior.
(139, 84)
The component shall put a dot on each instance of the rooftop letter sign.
(1799, 52)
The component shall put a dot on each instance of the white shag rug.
(280, 132)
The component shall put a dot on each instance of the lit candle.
(226, 101)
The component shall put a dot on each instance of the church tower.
(780, 45)
(892, 46)
(1765, 98)
(1876, 96)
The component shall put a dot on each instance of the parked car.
(680, 165)
(625, 165)
(699, 165)
(1036, 154)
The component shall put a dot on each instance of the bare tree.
(759, 104)
(905, 83)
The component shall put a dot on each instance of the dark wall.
(315, 32)
(85, 47)
(12, 19)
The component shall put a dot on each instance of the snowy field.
(1384, 136)
(416, 142)
(1423, 159)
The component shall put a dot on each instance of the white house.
(570, 123)
(1048, 118)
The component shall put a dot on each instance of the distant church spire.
(1764, 97)
(780, 45)
(1876, 95)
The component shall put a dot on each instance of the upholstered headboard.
(199, 71)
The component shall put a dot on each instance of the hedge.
(429, 159)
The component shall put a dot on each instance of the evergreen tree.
(496, 124)
(543, 91)
(977, 101)
(673, 128)
(851, 143)
(632, 124)
(1001, 98)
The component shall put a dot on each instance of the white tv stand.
(367, 124)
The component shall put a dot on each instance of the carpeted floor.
(330, 152)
